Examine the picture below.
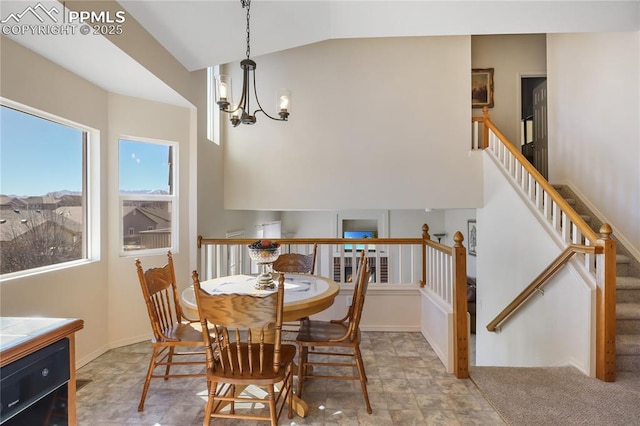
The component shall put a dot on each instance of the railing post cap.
(458, 238)
(606, 231)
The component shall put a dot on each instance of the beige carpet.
(559, 396)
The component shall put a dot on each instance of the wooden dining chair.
(296, 262)
(247, 329)
(329, 339)
(171, 328)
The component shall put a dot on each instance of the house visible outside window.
(44, 181)
(148, 196)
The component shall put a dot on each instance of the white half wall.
(556, 328)
(436, 326)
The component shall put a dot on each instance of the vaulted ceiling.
(204, 33)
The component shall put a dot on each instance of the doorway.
(533, 122)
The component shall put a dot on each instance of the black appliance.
(33, 389)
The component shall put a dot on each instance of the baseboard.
(80, 362)
(393, 328)
(104, 349)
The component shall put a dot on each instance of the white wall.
(594, 135)
(457, 220)
(373, 122)
(509, 235)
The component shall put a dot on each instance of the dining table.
(304, 295)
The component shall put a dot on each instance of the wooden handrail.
(582, 226)
(539, 282)
(604, 267)
(324, 241)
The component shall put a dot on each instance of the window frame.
(172, 198)
(90, 191)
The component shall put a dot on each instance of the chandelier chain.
(247, 4)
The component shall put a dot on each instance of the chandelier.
(241, 112)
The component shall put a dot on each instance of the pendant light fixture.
(241, 112)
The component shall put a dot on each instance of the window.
(44, 164)
(213, 112)
(148, 199)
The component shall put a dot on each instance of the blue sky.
(143, 166)
(38, 156)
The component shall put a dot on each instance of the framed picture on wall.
(482, 87)
(471, 237)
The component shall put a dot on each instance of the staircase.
(627, 291)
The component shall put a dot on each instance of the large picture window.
(43, 190)
(148, 199)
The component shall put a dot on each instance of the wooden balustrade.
(597, 253)
(441, 268)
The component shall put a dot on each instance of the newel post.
(461, 322)
(425, 237)
(606, 306)
(485, 128)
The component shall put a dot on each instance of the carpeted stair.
(627, 291)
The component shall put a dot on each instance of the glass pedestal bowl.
(265, 258)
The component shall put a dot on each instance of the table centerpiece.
(264, 253)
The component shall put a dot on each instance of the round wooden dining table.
(304, 295)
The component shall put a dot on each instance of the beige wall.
(104, 292)
(79, 291)
(132, 117)
(512, 57)
(594, 136)
(373, 123)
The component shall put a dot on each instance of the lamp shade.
(224, 95)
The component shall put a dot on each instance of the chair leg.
(290, 392)
(233, 403)
(272, 405)
(145, 388)
(169, 361)
(363, 378)
(210, 401)
(302, 366)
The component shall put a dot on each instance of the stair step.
(628, 319)
(628, 311)
(628, 344)
(628, 363)
(627, 290)
(628, 352)
(621, 258)
(623, 263)
(627, 283)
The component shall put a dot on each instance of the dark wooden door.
(540, 134)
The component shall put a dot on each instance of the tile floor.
(407, 386)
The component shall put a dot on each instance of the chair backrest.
(161, 297)
(254, 321)
(295, 262)
(359, 293)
